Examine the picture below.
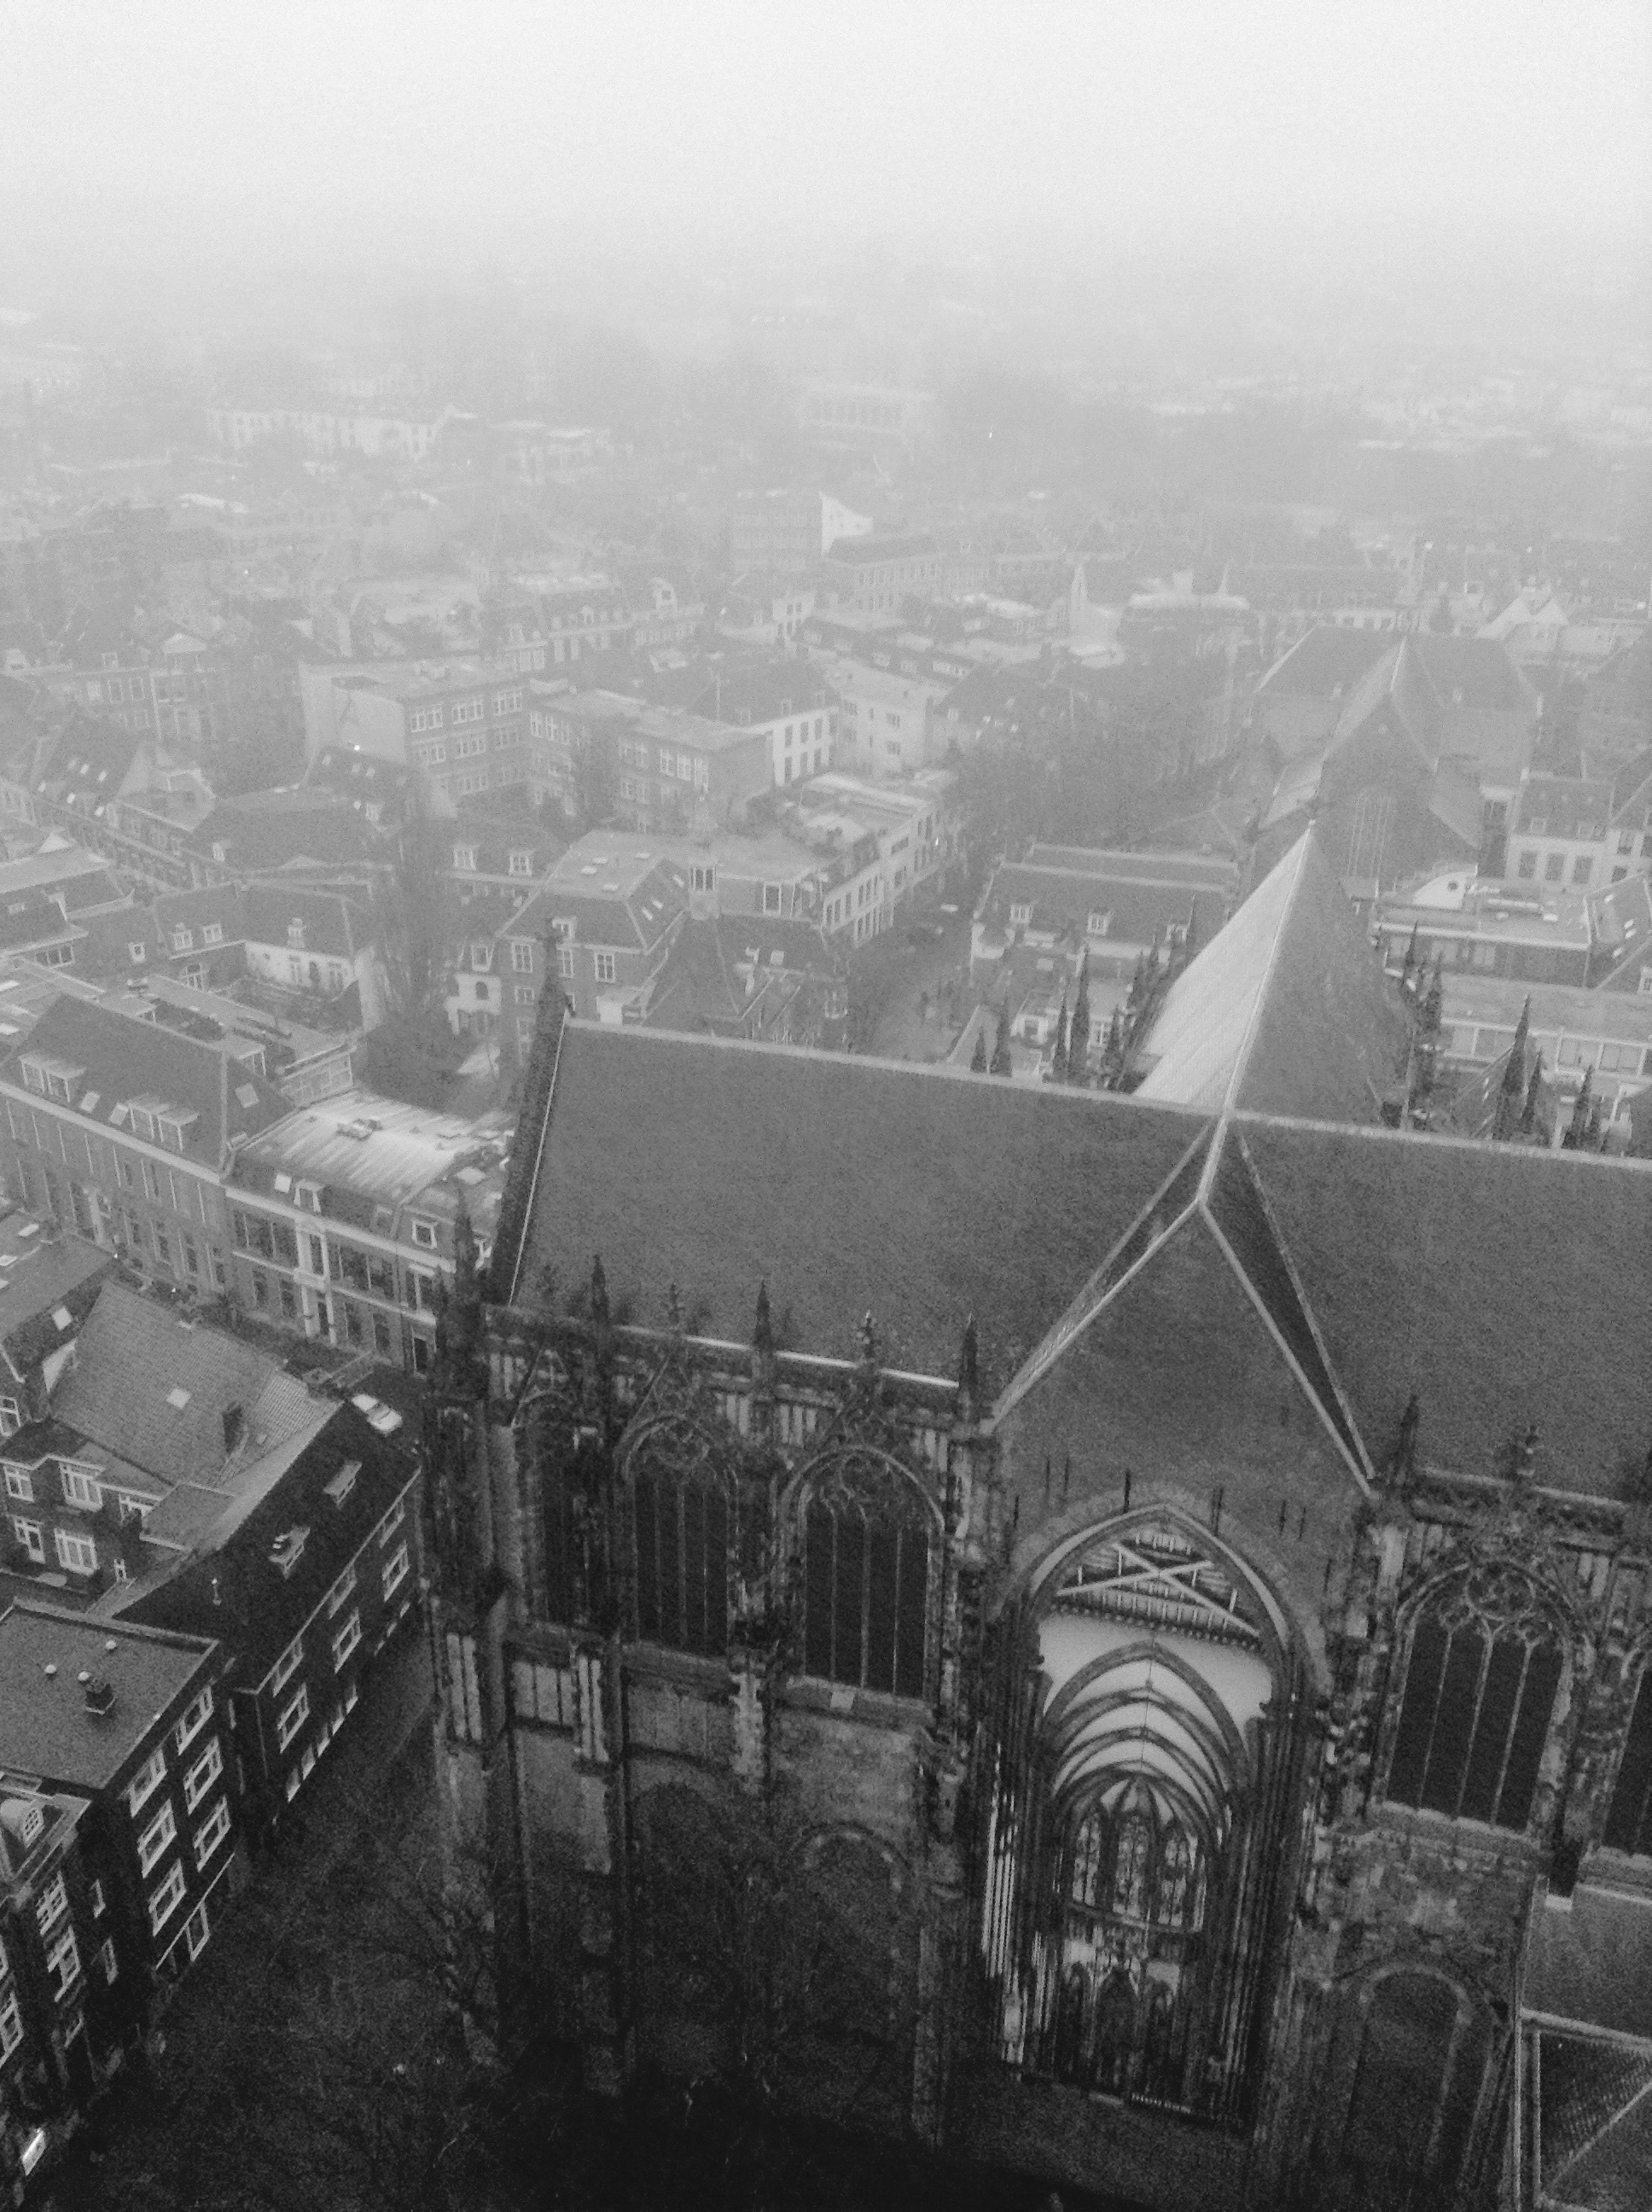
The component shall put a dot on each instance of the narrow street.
(930, 997)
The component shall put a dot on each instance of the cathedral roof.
(1287, 1011)
(851, 1184)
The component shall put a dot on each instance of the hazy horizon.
(181, 142)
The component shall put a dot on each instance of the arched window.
(1132, 1868)
(563, 1472)
(1404, 2054)
(1084, 1883)
(680, 1511)
(1629, 1821)
(867, 1535)
(1480, 1687)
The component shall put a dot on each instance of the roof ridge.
(1242, 1058)
(1096, 1294)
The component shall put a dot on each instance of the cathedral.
(1106, 1633)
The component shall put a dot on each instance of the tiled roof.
(332, 925)
(1562, 806)
(851, 1184)
(123, 1060)
(44, 1726)
(137, 1359)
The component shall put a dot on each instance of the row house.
(461, 722)
(324, 432)
(118, 791)
(119, 1848)
(344, 1219)
(499, 851)
(916, 825)
(146, 1398)
(874, 574)
(123, 1131)
(788, 704)
(306, 1563)
(1560, 832)
(597, 931)
(664, 607)
(312, 947)
(1111, 908)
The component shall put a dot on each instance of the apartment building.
(874, 574)
(123, 1131)
(306, 1562)
(1527, 935)
(325, 431)
(598, 930)
(462, 722)
(342, 1219)
(119, 1811)
(886, 722)
(601, 756)
(915, 826)
(1560, 831)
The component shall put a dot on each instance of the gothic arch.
(681, 1510)
(1408, 2074)
(1487, 1651)
(862, 1536)
(849, 1935)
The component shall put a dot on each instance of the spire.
(1514, 1073)
(598, 1293)
(1402, 1467)
(459, 1316)
(1434, 998)
(1534, 1095)
(763, 1327)
(969, 1372)
(1078, 1035)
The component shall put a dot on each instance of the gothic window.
(1085, 1882)
(846, 1925)
(1129, 1867)
(1175, 1878)
(682, 1524)
(865, 1598)
(1403, 2060)
(1629, 1822)
(562, 1474)
(1479, 1689)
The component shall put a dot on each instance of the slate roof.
(624, 900)
(1562, 806)
(41, 1275)
(1063, 892)
(124, 1058)
(1595, 2123)
(44, 1728)
(851, 1184)
(1286, 1011)
(136, 1356)
(232, 1586)
(332, 925)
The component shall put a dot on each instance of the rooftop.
(45, 1728)
(382, 1149)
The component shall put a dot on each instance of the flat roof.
(382, 1148)
(44, 1726)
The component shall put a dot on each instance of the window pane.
(646, 1507)
(913, 1611)
(1502, 1679)
(817, 1592)
(847, 1654)
(1531, 1731)
(670, 1560)
(883, 1541)
(1627, 1823)
(1453, 1722)
(1416, 1714)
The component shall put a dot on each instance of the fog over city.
(825, 1106)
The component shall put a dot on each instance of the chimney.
(234, 1427)
(100, 1694)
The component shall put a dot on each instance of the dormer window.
(295, 933)
(482, 957)
(1099, 924)
(424, 1233)
(308, 1196)
(465, 857)
(341, 1486)
(213, 934)
(288, 1550)
(521, 864)
(182, 939)
(1020, 916)
(172, 1129)
(221, 855)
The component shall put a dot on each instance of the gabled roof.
(231, 1585)
(1287, 1011)
(331, 924)
(122, 1059)
(1326, 664)
(136, 1358)
(1477, 1276)
(43, 1277)
(713, 1165)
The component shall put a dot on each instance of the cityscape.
(826, 1111)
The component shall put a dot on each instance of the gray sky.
(314, 129)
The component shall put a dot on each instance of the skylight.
(177, 1398)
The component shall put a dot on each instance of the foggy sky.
(190, 131)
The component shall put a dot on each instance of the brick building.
(1169, 1703)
